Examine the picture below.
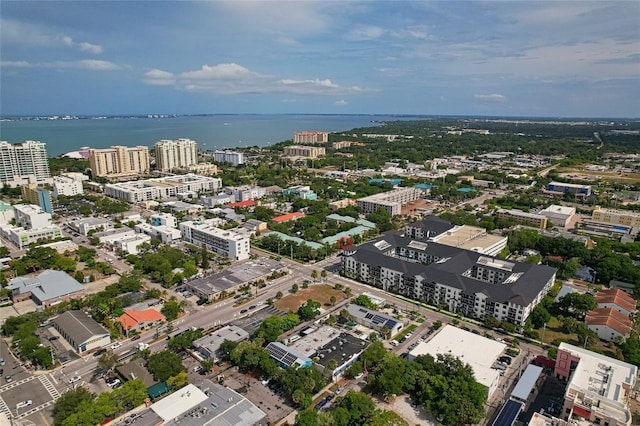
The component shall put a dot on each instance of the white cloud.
(86, 64)
(232, 78)
(496, 97)
(24, 34)
(156, 77)
(341, 102)
(366, 32)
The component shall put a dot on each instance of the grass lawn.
(319, 292)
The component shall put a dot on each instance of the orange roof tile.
(248, 203)
(610, 317)
(132, 318)
(288, 216)
(617, 297)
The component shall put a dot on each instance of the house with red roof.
(609, 324)
(133, 320)
(287, 217)
(242, 204)
(616, 299)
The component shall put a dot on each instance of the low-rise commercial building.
(84, 226)
(68, 186)
(559, 216)
(209, 346)
(300, 191)
(561, 188)
(478, 351)
(31, 216)
(132, 244)
(23, 238)
(375, 320)
(598, 387)
(523, 218)
(47, 288)
(81, 331)
(287, 356)
(164, 233)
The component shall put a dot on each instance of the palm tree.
(323, 274)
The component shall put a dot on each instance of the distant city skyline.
(506, 58)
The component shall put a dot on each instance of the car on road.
(99, 352)
(252, 307)
(340, 389)
(8, 379)
(2, 361)
(116, 345)
(136, 337)
(75, 379)
(244, 311)
(23, 404)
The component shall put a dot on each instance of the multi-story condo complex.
(341, 144)
(300, 191)
(303, 151)
(310, 137)
(177, 154)
(37, 195)
(246, 192)
(628, 219)
(524, 218)
(560, 188)
(23, 163)
(233, 157)
(119, 161)
(228, 243)
(162, 188)
(34, 224)
(462, 281)
(68, 184)
(392, 201)
(598, 387)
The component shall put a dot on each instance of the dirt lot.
(415, 207)
(319, 292)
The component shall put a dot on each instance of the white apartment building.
(119, 161)
(68, 186)
(234, 157)
(228, 243)
(86, 225)
(131, 245)
(163, 219)
(30, 216)
(392, 201)
(177, 154)
(246, 192)
(108, 238)
(23, 163)
(22, 238)
(310, 137)
(162, 188)
(164, 233)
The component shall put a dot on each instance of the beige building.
(559, 215)
(524, 218)
(392, 201)
(177, 154)
(616, 217)
(119, 161)
(303, 151)
(310, 137)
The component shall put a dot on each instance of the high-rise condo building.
(177, 154)
(119, 161)
(23, 163)
(310, 137)
(234, 157)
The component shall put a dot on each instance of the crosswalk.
(3, 407)
(49, 387)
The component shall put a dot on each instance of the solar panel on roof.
(390, 324)
(508, 414)
(289, 359)
(368, 316)
(377, 319)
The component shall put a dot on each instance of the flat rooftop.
(468, 238)
(477, 351)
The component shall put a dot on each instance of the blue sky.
(512, 58)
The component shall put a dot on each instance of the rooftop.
(79, 326)
(47, 285)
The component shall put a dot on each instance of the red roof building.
(287, 217)
(140, 320)
(242, 204)
(616, 299)
(609, 323)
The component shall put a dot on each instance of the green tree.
(314, 275)
(309, 310)
(171, 309)
(539, 316)
(294, 288)
(108, 360)
(205, 257)
(491, 322)
(178, 381)
(323, 274)
(165, 364)
(333, 299)
(365, 301)
(69, 402)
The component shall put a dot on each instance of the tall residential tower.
(23, 163)
(119, 161)
(180, 153)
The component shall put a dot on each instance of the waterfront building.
(310, 137)
(304, 151)
(176, 154)
(234, 157)
(23, 163)
(119, 161)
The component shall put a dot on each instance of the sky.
(499, 58)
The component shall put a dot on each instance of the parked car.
(23, 404)
(2, 362)
(8, 379)
(75, 379)
(99, 352)
(112, 382)
(321, 404)
(136, 337)
(116, 345)
(505, 359)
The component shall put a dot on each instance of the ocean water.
(210, 132)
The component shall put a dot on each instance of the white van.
(394, 343)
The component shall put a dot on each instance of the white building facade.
(234, 157)
(23, 163)
(228, 243)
